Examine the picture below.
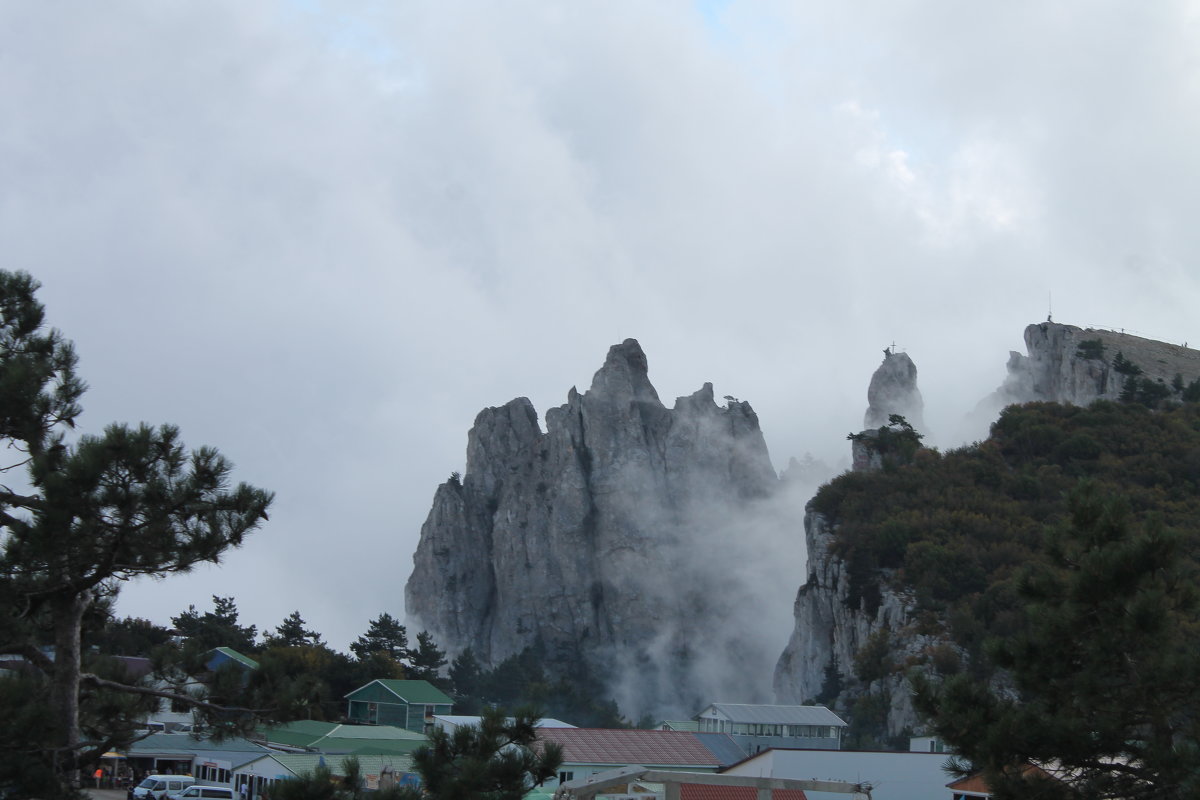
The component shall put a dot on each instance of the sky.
(322, 236)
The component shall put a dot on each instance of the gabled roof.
(777, 715)
(624, 746)
(411, 691)
(301, 763)
(234, 655)
(972, 783)
(343, 738)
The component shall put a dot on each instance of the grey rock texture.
(1059, 367)
(1055, 369)
(893, 390)
(608, 537)
(829, 632)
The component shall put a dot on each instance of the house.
(405, 704)
(258, 774)
(894, 775)
(221, 656)
(336, 738)
(974, 787)
(759, 727)
(927, 744)
(209, 760)
(589, 751)
(639, 782)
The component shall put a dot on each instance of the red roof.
(971, 783)
(699, 791)
(622, 747)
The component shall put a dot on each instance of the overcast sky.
(322, 236)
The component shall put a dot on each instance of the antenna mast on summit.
(1049, 307)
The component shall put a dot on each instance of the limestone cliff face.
(1064, 364)
(605, 537)
(830, 629)
(893, 390)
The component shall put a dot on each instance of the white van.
(157, 787)
(199, 792)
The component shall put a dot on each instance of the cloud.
(322, 238)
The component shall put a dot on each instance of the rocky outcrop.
(615, 537)
(1066, 364)
(831, 627)
(893, 390)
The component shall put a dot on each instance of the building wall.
(895, 776)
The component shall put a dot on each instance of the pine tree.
(1106, 667)
(216, 628)
(427, 660)
(384, 635)
(293, 633)
(495, 760)
(131, 501)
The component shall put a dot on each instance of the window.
(563, 777)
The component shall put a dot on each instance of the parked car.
(197, 792)
(158, 787)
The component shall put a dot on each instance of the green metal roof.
(333, 736)
(300, 733)
(186, 743)
(333, 744)
(389, 732)
(301, 763)
(411, 691)
(681, 725)
(238, 657)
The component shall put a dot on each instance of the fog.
(321, 237)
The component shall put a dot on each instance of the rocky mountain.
(893, 390)
(1064, 364)
(619, 537)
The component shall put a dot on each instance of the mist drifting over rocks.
(893, 390)
(655, 545)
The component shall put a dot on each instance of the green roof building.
(405, 704)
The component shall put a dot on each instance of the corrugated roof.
(681, 725)
(778, 715)
(334, 744)
(300, 733)
(389, 732)
(186, 743)
(622, 746)
(699, 791)
(245, 661)
(301, 763)
(414, 691)
(722, 746)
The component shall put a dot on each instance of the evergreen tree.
(1106, 668)
(131, 501)
(130, 636)
(426, 662)
(384, 635)
(216, 628)
(495, 760)
(465, 674)
(293, 633)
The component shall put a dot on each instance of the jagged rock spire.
(893, 390)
